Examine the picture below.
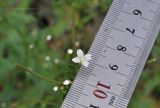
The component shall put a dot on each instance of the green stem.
(73, 27)
(38, 75)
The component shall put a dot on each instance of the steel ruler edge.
(76, 90)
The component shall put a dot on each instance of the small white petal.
(66, 82)
(85, 63)
(55, 88)
(76, 60)
(69, 51)
(80, 53)
(49, 37)
(88, 57)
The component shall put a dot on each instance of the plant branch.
(38, 75)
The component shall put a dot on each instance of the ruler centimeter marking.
(119, 52)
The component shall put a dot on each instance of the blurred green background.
(37, 34)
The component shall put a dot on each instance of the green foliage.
(24, 26)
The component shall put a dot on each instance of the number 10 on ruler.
(101, 94)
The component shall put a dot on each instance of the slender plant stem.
(38, 75)
(73, 26)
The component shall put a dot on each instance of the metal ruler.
(119, 52)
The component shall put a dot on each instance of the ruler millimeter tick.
(119, 52)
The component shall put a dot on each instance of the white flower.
(55, 88)
(69, 51)
(49, 37)
(81, 58)
(47, 58)
(66, 82)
